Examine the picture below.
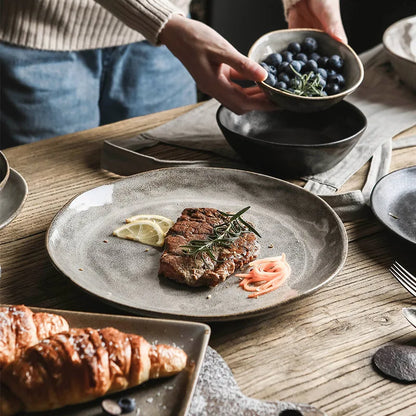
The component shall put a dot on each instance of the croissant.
(21, 328)
(81, 365)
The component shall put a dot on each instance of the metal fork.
(406, 279)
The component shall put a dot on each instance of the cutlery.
(405, 278)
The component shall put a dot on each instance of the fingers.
(332, 22)
(318, 14)
(243, 68)
(241, 100)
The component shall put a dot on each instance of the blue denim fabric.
(48, 93)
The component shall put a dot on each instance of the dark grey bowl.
(398, 40)
(289, 144)
(278, 40)
(4, 170)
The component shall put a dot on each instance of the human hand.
(214, 63)
(318, 14)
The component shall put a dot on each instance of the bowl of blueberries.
(308, 70)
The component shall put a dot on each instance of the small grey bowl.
(399, 41)
(4, 170)
(278, 41)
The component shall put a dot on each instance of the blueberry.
(301, 57)
(271, 73)
(274, 59)
(295, 83)
(283, 77)
(322, 72)
(309, 45)
(287, 56)
(296, 65)
(314, 56)
(331, 72)
(283, 67)
(265, 66)
(322, 82)
(337, 79)
(271, 79)
(323, 61)
(341, 80)
(294, 47)
(272, 70)
(332, 88)
(110, 407)
(127, 404)
(310, 66)
(335, 62)
(281, 85)
(333, 78)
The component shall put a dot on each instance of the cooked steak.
(201, 269)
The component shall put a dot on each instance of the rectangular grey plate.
(161, 397)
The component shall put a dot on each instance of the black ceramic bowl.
(289, 144)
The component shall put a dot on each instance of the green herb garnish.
(308, 85)
(223, 235)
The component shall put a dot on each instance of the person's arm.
(316, 14)
(147, 17)
(210, 59)
(214, 63)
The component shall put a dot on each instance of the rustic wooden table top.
(315, 350)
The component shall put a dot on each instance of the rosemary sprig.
(223, 235)
(309, 84)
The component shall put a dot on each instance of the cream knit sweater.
(69, 25)
(84, 24)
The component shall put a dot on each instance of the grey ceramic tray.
(162, 397)
(125, 273)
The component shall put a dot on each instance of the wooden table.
(316, 350)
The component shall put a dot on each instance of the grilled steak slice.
(197, 224)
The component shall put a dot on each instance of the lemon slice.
(163, 222)
(145, 231)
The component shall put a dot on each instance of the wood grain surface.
(316, 350)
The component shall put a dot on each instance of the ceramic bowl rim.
(7, 165)
(387, 47)
(384, 178)
(300, 145)
(299, 97)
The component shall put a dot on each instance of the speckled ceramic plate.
(4, 170)
(125, 273)
(393, 201)
(163, 397)
(12, 197)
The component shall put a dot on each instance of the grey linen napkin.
(389, 106)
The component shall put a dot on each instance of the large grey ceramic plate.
(162, 397)
(12, 197)
(393, 201)
(125, 273)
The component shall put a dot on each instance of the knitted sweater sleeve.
(145, 16)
